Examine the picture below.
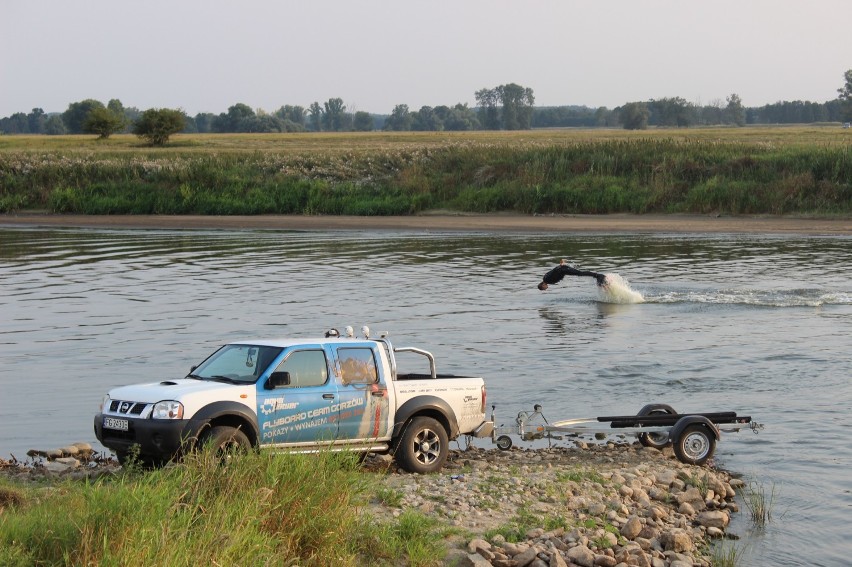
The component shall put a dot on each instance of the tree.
(363, 122)
(103, 122)
(634, 116)
(54, 125)
(846, 96)
(204, 122)
(156, 125)
(426, 120)
(670, 112)
(334, 110)
(517, 106)
(734, 112)
(75, 116)
(315, 110)
(399, 120)
(36, 120)
(489, 115)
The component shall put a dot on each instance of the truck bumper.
(157, 438)
(485, 429)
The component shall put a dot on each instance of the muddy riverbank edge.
(447, 221)
(612, 504)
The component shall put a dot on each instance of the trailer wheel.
(658, 440)
(504, 442)
(423, 447)
(695, 445)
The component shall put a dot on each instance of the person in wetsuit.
(563, 269)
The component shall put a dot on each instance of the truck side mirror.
(277, 379)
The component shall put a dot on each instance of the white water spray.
(618, 290)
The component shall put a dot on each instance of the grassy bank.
(263, 510)
(777, 171)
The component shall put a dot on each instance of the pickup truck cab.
(337, 391)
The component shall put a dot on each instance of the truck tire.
(423, 446)
(226, 441)
(695, 445)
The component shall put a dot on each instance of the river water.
(760, 325)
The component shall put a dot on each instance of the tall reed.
(528, 175)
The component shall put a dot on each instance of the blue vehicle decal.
(350, 402)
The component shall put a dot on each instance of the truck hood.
(180, 390)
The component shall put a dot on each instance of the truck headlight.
(168, 409)
(104, 403)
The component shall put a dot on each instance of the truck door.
(300, 406)
(363, 394)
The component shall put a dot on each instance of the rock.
(686, 509)
(713, 518)
(581, 555)
(556, 560)
(476, 544)
(476, 560)
(631, 528)
(69, 451)
(605, 561)
(676, 540)
(526, 557)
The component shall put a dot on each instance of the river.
(760, 325)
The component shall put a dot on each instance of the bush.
(156, 125)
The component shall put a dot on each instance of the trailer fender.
(656, 408)
(688, 420)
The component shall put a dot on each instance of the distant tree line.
(505, 107)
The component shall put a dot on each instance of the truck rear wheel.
(423, 446)
(226, 441)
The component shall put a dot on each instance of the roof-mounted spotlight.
(350, 332)
(383, 335)
(366, 331)
(334, 333)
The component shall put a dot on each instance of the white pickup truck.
(298, 394)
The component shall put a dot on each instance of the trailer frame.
(693, 436)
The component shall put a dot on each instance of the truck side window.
(357, 366)
(306, 367)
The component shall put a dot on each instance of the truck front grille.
(126, 408)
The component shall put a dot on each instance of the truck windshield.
(236, 363)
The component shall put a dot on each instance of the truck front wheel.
(226, 441)
(423, 447)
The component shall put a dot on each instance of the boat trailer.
(693, 436)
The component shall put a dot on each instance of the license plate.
(115, 423)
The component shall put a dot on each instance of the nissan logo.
(125, 407)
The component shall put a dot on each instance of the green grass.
(759, 502)
(261, 509)
(802, 171)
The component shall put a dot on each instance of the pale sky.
(207, 55)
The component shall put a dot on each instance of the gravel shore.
(608, 504)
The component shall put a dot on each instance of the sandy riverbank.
(451, 222)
